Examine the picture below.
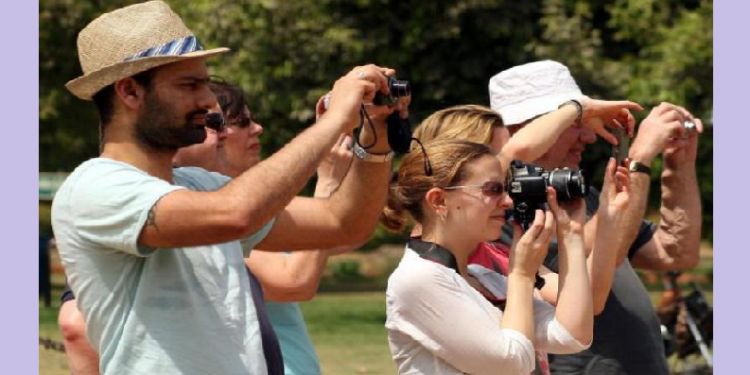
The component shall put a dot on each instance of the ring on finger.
(361, 74)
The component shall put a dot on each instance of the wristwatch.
(360, 153)
(636, 166)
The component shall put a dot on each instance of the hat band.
(176, 47)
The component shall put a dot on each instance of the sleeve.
(433, 310)
(111, 204)
(645, 234)
(248, 244)
(67, 294)
(549, 334)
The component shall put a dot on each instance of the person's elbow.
(72, 325)
(356, 231)
(295, 291)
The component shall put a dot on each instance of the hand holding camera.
(528, 189)
(616, 114)
(668, 126)
(615, 196)
(530, 247)
(359, 86)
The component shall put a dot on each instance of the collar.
(434, 252)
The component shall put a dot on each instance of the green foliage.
(348, 270)
(286, 54)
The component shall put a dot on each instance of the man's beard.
(161, 130)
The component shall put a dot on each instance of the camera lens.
(568, 184)
(399, 88)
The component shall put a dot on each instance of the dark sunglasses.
(242, 122)
(492, 189)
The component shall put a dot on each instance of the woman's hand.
(334, 167)
(529, 249)
(615, 195)
(570, 216)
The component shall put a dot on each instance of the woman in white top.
(437, 322)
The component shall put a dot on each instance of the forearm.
(680, 219)
(518, 314)
(262, 192)
(535, 139)
(635, 213)
(357, 203)
(574, 302)
(288, 278)
(241, 207)
(603, 261)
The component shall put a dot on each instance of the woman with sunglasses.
(441, 317)
(490, 260)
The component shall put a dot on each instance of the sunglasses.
(492, 189)
(242, 122)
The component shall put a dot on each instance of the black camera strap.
(434, 252)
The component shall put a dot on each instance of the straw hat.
(526, 91)
(131, 40)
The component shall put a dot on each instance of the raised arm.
(609, 242)
(244, 205)
(349, 216)
(296, 276)
(676, 243)
(574, 301)
(539, 135)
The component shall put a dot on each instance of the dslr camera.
(528, 189)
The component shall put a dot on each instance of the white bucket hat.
(129, 41)
(526, 91)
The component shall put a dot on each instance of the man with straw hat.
(155, 255)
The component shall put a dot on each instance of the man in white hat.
(155, 255)
(627, 335)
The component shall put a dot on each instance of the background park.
(286, 54)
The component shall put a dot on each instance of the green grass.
(348, 333)
(346, 328)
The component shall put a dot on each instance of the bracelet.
(360, 153)
(579, 107)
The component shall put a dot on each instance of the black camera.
(528, 189)
(215, 121)
(396, 88)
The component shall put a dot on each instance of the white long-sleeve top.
(439, 325)
(549, 335)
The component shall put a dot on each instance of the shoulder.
(196, 178)
(107, 180)
(418, 277)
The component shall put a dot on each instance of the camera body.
(528, 189)
(620, 151)
(215, 121)
(396, 88)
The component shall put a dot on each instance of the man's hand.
(598, 113)
(662, 129)
(352, 90)
(681, 153)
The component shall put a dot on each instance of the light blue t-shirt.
(296, 347)
(149, 311)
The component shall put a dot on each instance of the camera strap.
(440, 255)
